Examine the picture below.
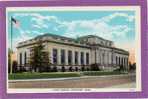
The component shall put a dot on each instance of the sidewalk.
(127, 85)
(69, 78)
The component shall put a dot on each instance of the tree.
(39, 58)
(14, 65)
(10, 52)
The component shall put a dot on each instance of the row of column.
(103, 57)
(55, 54)
(121, 61)
(22, 60)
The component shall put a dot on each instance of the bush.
(28, 75)
(22, 69)
(83, 68)
(45, 69)
(70, 69)
(87, 69)
(99, 73)
(54, 69)
(76, 68)
(63, 69)
(95, 67)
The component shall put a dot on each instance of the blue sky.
(118, 26)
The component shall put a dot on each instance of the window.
(122, 62)
(20, 58)
(62, 56)
(55, 54)
(116, 60)
(119, 61)
(87, 58)
(82, 58)
(103, 58)
(102, 43)
(69, 57)
(76, 57)
(25, 58)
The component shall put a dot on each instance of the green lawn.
(42, 75)
(99, 73)
(29, 75)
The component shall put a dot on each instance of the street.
(83, 82)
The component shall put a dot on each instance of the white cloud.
(129, 18)
(96, 27)
(99, 27)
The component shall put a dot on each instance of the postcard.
(55, 49)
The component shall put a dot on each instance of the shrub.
(95, 67)
(63, 69)
(99, 73)
(87, 69)
(83, 68)
(70, 68)
(76, 68)
(54, 69)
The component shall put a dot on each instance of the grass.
(28, 75)
(99, 73)
(16, 76)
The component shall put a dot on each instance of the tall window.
(122, 62)
(62, 56)
(55, 54)
(69, 57)
(25, 58)
(76, 58)
(20, 58)
(87, 58)
(116, 60)
(103, 58)
(82, 58)
(119, 61)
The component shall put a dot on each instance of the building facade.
(83, 51)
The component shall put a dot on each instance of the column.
(105, 57)
(100, 54)
(66, 57)
(101, 57)
(113, 58)
(110, 58)
(97, 56)
(73, 57)
(79, 60)
(23, 60)
(84, 58)
(58, 56)
(51, 56)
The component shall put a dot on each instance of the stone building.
(75, 53)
